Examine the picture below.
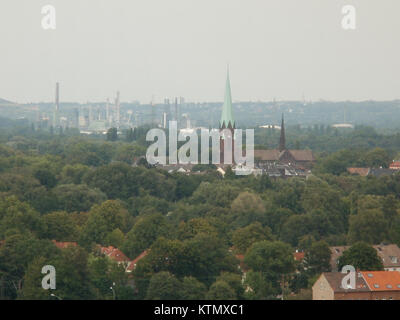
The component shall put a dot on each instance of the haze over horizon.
(276, 49)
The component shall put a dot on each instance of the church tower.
(227, 120)
(282, 140)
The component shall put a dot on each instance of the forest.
(202, 231)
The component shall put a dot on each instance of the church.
(303, 159)
(279, 162)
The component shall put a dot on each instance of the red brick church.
(282, 155)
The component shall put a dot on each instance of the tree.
(73, 174)
(25, 188)
(295, 227)
(105, 273)
(32, 288)
(72, 197)
(128, 152)
(45, 177)
(317, 258)
(234, 280)
(60, 226)
(244, 237)
(215, 194)
(144, 232)
(115, 238)
(73, 274)
(369, 226)
(163, 286)
(192, 289)
(389, 208)
(273, 258)
(195, 226)
(129, 136)
(19, 216)
(17, 252)
(205, 256)
(220, 290)
(103, 219)
(121, 181)
(377, 157)
(258, 287)
(112, 134)
(247, 208)
(362, 257)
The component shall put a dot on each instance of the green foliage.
(72, 197)
(317, 258)
(55, 186)
(60, 226)
(103, 219)
(112, 134)
(273, 258)
(192, 289)
(244, 238)
(258, 286)
(362, 257)
(73, 174)
(17, 216)
(115, 238)
(220, 290)
(144, 232)
(369, 226)
(234, 280)
(163, 286)
(32, 289)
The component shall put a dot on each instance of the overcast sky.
(167, 48)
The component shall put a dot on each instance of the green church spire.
(227, 120)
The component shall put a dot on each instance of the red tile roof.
(335, 282)
(382, 280)
(242, 265)
(298, 256)
(395, 165)
(276, 155)
(63, 245)
(133, 263)
(360, 171)
(114, 254)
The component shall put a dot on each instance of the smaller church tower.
(227, 120)
(282, 140)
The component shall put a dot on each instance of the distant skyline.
(280, 49)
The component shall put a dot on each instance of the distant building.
(389, 254)
(63, 245)
(395, 165)
(133, 264)
(299, 256)
(227, 122)
(370, 285)
(301, 159)
(375, 172)
(114, 254)
(343, 125)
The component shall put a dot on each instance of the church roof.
(227, 113)
(276, 154)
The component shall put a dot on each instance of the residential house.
(133, 264)
(369, 285)
(389, 254)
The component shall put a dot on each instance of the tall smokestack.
(118, 109)
(108, 111)
(57, 96)
(176, 109)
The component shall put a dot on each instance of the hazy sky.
(275, 48)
